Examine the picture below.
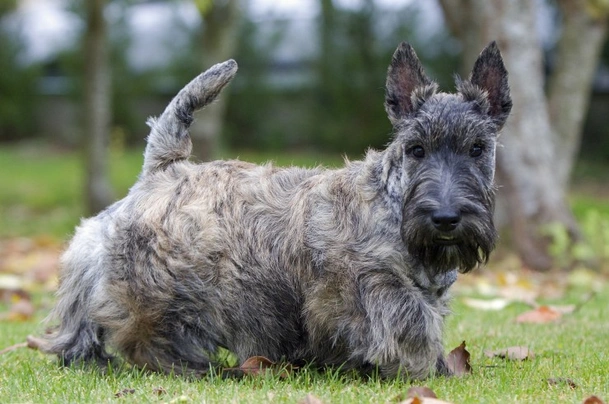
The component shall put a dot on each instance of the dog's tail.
(168, 140)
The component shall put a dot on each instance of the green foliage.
(594, 248)
(17, 88)
(338, 104)
(6, 6)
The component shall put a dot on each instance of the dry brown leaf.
(20, 311)
(420, 391)
(124, 392)
(424, 400)
(514, 353)
(256, 365)
(593, 400)
(458, 361)
(540, 315)
(259, 365)
(555, 381)
(310, 399)
(159, 391)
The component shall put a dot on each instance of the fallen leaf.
(310, 399)
(20, 311)
(593, 400)
(256, 365)
(518, 293)
(514, 353)
(420, 391)
(555, 381)
(124, 392)
(159, 391)
(10, 282)
(487, 304)
(424, 400)
(540, 315)
(259, 365)
(458, 361)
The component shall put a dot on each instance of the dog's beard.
(472, 245)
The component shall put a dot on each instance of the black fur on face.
(447, 163)
(447, 220)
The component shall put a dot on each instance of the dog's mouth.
(446, 239)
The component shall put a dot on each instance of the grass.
(574, 348)
(41, 195)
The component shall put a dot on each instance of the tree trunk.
(98, 192)
(528, 164)
(583, 35)
(219, 43)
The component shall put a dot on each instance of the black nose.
(446, 219)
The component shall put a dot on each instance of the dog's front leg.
(405, 330)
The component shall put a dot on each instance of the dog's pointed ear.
(490, 75)
(407, 85)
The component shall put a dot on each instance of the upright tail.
(168, 140)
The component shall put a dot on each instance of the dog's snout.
(446, 219)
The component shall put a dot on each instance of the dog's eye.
(417, 151)
(476, 151)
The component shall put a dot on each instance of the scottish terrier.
(347, 267)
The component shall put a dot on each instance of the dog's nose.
(446, 219)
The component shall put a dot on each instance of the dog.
(334, 267)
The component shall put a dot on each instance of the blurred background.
(79, 78)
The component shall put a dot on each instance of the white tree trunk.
(97, 115)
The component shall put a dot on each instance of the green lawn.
(40, 194)
(574, 348)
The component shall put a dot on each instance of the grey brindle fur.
(333, 267)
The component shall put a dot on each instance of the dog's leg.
(77, 337)
(404, 335)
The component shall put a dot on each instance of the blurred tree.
(97, 115)
(318, 83)
(542, 137)
(351, 62)
(6, 6)
(18, 81)
(218, 43)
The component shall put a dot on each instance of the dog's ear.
(407, 85)
(490, 75)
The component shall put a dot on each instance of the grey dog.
(344, 267)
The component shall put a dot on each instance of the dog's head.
(442, 159)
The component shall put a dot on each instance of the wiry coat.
(337, 267)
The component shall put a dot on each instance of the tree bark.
(98, 192)
(531, 165)
(219, 43)
(584, 30)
